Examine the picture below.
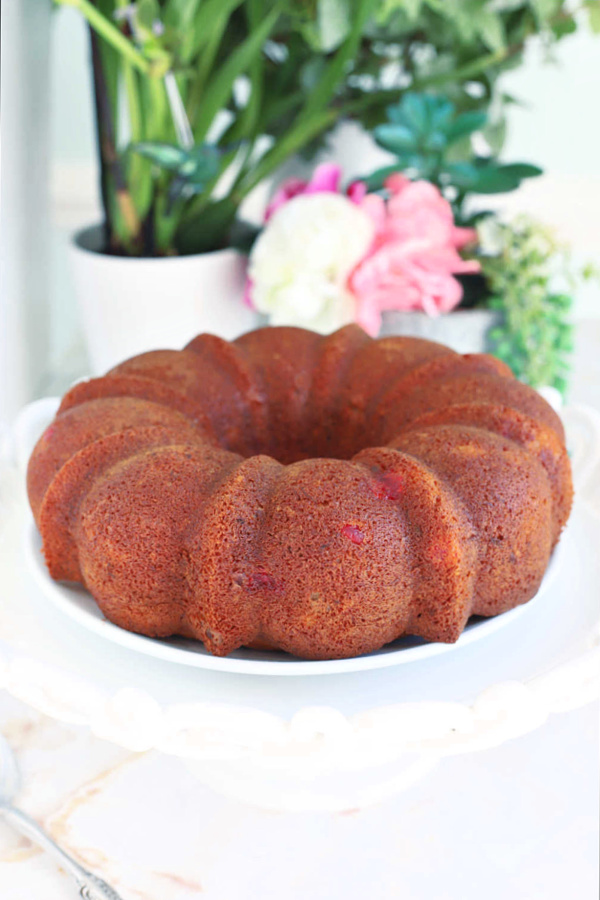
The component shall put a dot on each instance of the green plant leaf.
(463, 175)
(341, 62)
(167, 156)
(249, 115)
(194, 167)
(488, 177)
(410, 8)
(201, 165)
(560, 383)
(333, 23)
(300, 88)
(466, 123)
(180, 13)
(507, 5)
(209, 230)
(534, 335)
(396, 138)
(220, 88)
(147, 12)
(593, 11)
(200, 24)
(440, 111)
(492, 180)
(521, 170)
(435, 142)
(318, 114)
(413, 111)
(545, 9)
(474, 218)
(491, 29)
(563, 27)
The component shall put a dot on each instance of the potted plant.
(198, 102)
(430, 141)
(517, 305)
(398, 252)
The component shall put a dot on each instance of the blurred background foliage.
(198, 101)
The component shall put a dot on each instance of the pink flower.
(247, 298)
(325, 180)
(356, 191)
(414, 254)
(416, 209)
(406, 276)
(407, 262)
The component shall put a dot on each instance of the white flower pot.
(130, 305)
(465, 330)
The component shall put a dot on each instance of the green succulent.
(432, 141)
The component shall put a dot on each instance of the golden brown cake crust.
(321, 495)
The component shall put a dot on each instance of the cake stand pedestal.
(310, 743)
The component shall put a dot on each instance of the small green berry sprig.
(522, 262)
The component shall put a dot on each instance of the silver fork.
(91, 887)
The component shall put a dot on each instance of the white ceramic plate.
(75, 602)
(79, 605)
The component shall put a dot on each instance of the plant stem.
(159, 125)
(109, 157)
(139, 175)
(110, 33)
(104, 131)
(131, 88)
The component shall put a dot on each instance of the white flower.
(300, 264)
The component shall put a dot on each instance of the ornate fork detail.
(91, 887)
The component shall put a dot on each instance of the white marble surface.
(518, 821)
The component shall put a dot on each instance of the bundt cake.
(321, 495)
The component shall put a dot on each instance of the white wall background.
(557, 127)
(24, 344)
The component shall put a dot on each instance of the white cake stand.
(330, 741)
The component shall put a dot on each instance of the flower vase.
(464, 330)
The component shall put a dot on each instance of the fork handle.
(90, 886)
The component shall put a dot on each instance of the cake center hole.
(323, 441)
